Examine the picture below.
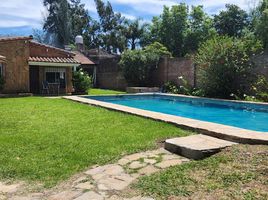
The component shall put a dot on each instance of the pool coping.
(212, 129)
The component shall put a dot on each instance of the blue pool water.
(241, 115)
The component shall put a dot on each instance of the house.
(28, 65)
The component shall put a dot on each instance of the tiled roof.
(15, 38)
(82, 58)
(51, 47)
(53, 60)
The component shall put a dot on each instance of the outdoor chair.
(45, 88)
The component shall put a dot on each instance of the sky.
(20, 17)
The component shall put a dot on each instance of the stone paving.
(101, 182)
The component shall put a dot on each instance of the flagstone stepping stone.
(137, 165)
(148, 170)
(9, 188)
(65, 195)
(90, 196)
(196, 146)
(168, 163)
(86, 186)
(119, 182)
(135, 156)
(150, 161)
(123, 161)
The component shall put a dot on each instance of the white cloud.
(23, 12)
(15, 13)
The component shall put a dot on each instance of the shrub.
(183, 88)
(224, 66)
(2, 82)
(81, 81)
(260, 89)
(138, 65)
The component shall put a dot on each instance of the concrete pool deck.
(208, 128)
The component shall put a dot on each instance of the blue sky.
(19, 17)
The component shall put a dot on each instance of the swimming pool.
(243, 115)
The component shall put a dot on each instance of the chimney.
(79, 42)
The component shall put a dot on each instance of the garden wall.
(109, 75)
(169, 69)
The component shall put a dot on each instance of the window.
(55, 75)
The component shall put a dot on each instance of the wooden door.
(34, 80)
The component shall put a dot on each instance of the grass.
(48, 140)
(239, 172)
(95, 91)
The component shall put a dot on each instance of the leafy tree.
(79, 18)
(57, 22)
(200, 29)
(111, 28)
(179, 30)
(138, 65)
(224, 66)
(232, 21)
(158, 49)
(261, 22)
(134, 31)
(152, 32)
(91, 34)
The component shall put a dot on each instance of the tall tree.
(261, 22)
(232, 21)
(57, 22)
(200, 29)
(79, 18)
(111, 26)
(134, 31)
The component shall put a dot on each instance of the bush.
(260, 89)
(138, 65)
(183, 88)
(224, 66)
(2, 82)
(81, 81)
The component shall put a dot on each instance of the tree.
(173, 28)
(111, 28)
(134, 31)
(200, 29)
(261, 22)
(138, 65)
(57, 22)
(79, 18)
(232, 21)
(224, 66)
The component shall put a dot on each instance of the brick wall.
(109, 75)
(37, 49)
(169, 69)
(16, 70)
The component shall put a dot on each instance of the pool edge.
(212, 129)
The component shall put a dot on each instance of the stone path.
(101, 182)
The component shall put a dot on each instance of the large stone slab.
(196, 146)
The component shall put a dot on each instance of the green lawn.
(48, 140)
(95, 91)
(239, 172)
